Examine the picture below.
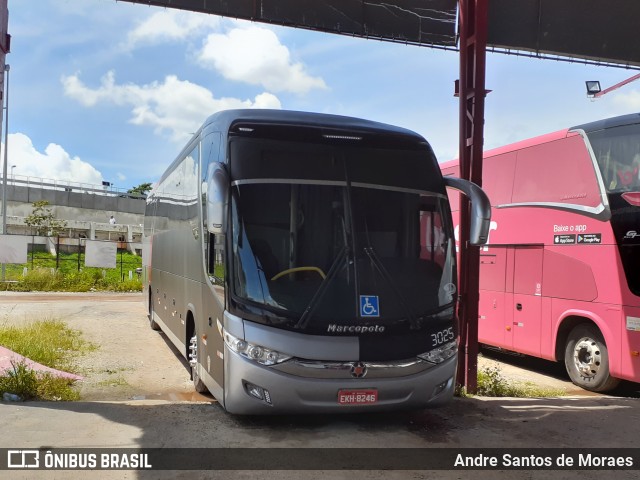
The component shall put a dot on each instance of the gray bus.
(306, 263)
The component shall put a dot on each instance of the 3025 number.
(443, 336)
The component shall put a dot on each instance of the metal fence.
(70, 254)
(107, 188)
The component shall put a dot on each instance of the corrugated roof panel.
(585, 29)
(429, 22)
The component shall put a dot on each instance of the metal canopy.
(423, 22)
(584, 30)
(593, 30)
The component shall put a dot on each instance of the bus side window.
(432, 237)
(214, 244)
(210, 150)
(215, 264)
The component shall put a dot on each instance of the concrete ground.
(153, 405)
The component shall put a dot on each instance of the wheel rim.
(587, 357)
(193, 351)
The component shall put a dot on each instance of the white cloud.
(177, 106)
(55, 163)
(74, 88)
(254, 55)
(627, 102)
(170, 25)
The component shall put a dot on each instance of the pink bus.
(560, 274)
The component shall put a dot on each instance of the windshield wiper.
(351, 235)
(371, 253)
(322, 289)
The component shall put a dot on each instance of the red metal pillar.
(473, 43)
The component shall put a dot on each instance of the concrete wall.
(86, 213)
(76, 205)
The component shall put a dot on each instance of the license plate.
(357, 397)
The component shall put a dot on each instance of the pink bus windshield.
(617, 150)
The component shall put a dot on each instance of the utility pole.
(5, 161)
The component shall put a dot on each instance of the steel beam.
(473, 44)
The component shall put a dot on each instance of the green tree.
(141, 189)
(43, 221)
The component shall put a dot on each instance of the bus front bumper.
(253, 389)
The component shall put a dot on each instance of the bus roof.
(226, 118)
(609, 122)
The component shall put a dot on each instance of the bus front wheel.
(152, 322)
(198, 384)
(586, 359)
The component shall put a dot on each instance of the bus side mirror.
(480, 208)
(217, 194)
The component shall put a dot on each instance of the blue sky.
(110, 91)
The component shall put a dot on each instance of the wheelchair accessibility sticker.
(369, 306)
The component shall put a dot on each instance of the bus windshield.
(617, 151)
(314, 254)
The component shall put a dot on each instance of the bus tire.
(586, 359)
(152, 322)
(198, 384)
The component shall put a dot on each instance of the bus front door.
(526, 311)
(492, 329)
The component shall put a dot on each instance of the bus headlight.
(440, 354)
(257, 353)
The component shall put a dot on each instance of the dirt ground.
(131, 362)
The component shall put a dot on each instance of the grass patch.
(51, 343)
(30, 385)
(45, 273)
(88, 280)
(491, 383)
